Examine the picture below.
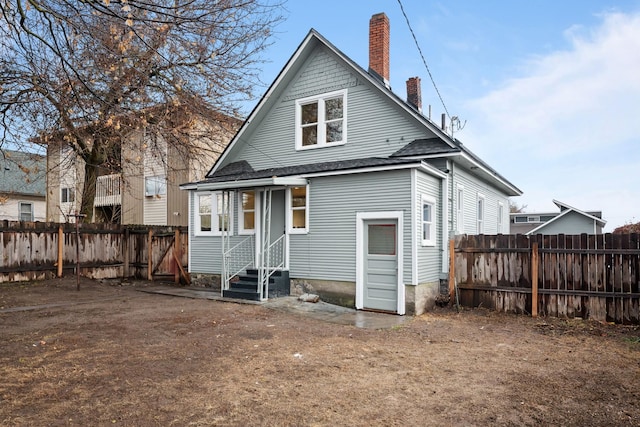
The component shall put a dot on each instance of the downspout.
(445, 224)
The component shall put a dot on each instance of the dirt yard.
(111, 355)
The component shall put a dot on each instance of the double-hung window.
(26, 211)
(480, 213)
(500, 217)
(298, 207)
(321, 120)
(214, 213)
(460, 210)
(428, 221)
(247, 212)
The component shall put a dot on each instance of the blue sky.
(549, 89)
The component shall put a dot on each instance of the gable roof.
(434, 147)
(565, 210)
(22, 173)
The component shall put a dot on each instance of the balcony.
(108, 190)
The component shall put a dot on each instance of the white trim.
(190, 231)
(289, 212)
(241, 213)
(273, 181)
(414, 221)
(500, 217)
(360, 251)
(445, 225)
(321, 130)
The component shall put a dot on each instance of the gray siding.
(571, 223)
(273, 141)
(472, 187)
(429, 257)
(328, 251)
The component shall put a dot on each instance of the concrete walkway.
(320, 310)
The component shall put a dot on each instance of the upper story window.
(155, 186)
(214, 213)
(500, 216)
(321, 120)
(428, 221)
(67, 195)
(298, 202)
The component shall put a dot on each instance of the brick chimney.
(414, 94)
(379, 46)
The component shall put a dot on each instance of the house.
(22, 186)
(568, 220)
(335, 185)
(142, 185)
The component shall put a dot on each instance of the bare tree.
(515, 208)
(90, 72)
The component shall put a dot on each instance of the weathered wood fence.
(38, 250)
(588, 276)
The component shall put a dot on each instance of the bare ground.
(110, 355)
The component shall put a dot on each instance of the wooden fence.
(588, 276)
(38, 250)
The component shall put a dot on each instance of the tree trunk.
(89, 190)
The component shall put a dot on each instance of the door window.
(382, 239)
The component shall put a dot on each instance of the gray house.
(337, 186)
(22, 186)
(568, 220)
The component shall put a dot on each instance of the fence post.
(452, 269)
(125, 253)
(534, 280)
(150, 259)
(60, 249)
(177, 255)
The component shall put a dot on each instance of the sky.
(548, 91)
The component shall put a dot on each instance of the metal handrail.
(274, 260)
(237, 259)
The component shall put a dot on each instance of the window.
(247, 220)
(298, 209)
(533, 219)
(500, 216)
(428, 221)
(210, 218)
(67, 195)
(320, 121)
(26, 211)
(460, 210)
(520, 219)
(155, 186)
(480, 214)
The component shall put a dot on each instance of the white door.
(380, 264)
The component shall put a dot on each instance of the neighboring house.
(144, 187)
(22, 186)
(568, 221)
(341, 185)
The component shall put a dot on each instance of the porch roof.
(243, 176)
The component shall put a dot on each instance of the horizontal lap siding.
(571, 223)
(328, 251)
(272, 144)
(429, 261)
(472, 186)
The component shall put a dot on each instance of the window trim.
(321, 122)
(500, 218)
(431, 201)
(31, 213)
(214, 213)
(460, 209)
(241, 213)
(481, 212)
(290, 209)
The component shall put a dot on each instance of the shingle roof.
(22, 173)
(219, 176)
(423, 147)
